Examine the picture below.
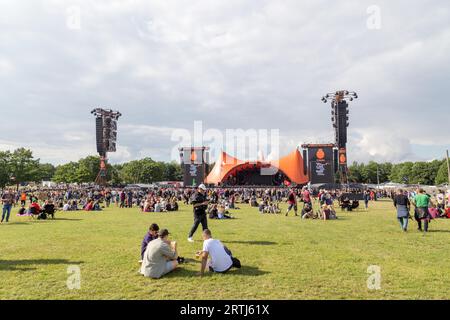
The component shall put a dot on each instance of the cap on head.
(202, 187)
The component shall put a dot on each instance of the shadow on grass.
(439, 231)
(18, 223)
(258, 243)
(24, 265)
(248, 271)
(244, 271)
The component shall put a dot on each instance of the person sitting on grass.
(74, 206)
(22, 211)
(345, 204)
(96, 206)
(66, 207)
(174, 204)
(215, 256)
(308, 212)
(35, 208)
(212, 211)
(222, 213)
(151, 235)
(160, 257)
(328, 213)
(262, 206)
(49, 208)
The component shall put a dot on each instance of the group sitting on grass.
(159, 255)
(326, 212)
(218, 211)
(35, 210)
(159, 204)
(267, 206)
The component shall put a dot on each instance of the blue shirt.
(148, 237)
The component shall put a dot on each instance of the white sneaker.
(190, 240)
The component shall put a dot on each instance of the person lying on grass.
(160, 257)
(215, 255)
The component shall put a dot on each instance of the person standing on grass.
(123, 198)
(440, 201)
(401, 202)
(292, 201)
(8, 201)
(366, 199)
(422, 202)
(23, 199)
(200, 203)
(306, 196)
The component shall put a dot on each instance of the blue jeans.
(6, 212)
(403, 223)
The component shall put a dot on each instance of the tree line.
(19, 166)
(421, 172)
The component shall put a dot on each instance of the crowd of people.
(159, 254)
(426, 207)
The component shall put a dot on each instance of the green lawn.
(283, 258)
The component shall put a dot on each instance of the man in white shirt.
(214, 255)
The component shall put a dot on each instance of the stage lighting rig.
(340, 121)
(106, 136)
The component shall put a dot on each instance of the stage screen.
(321, 164)
(321, 172)
(194, 174)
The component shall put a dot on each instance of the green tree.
(88, 169)
(402, 173)
(46, 172)
(23, 167)
(142, 171)
(66, 173)
(355, 172)
(442, 174)
(5, 177)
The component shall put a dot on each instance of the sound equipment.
(99, 135)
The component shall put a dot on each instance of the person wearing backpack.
(422, 202)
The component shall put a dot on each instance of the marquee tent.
(291, 166)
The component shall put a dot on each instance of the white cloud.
(379, 145)
(232, 64)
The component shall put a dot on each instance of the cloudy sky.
(232, 64)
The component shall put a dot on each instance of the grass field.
(283, 258)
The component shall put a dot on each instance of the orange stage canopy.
(291, 165)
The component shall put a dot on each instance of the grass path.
(283, 258)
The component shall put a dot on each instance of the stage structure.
(106, 137)
(230, 171)
(195, 162)
(319, 163)
(340, 120)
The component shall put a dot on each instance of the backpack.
(42, 216)
(236, 263)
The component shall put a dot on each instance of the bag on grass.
(236, 263)
(42, 216)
